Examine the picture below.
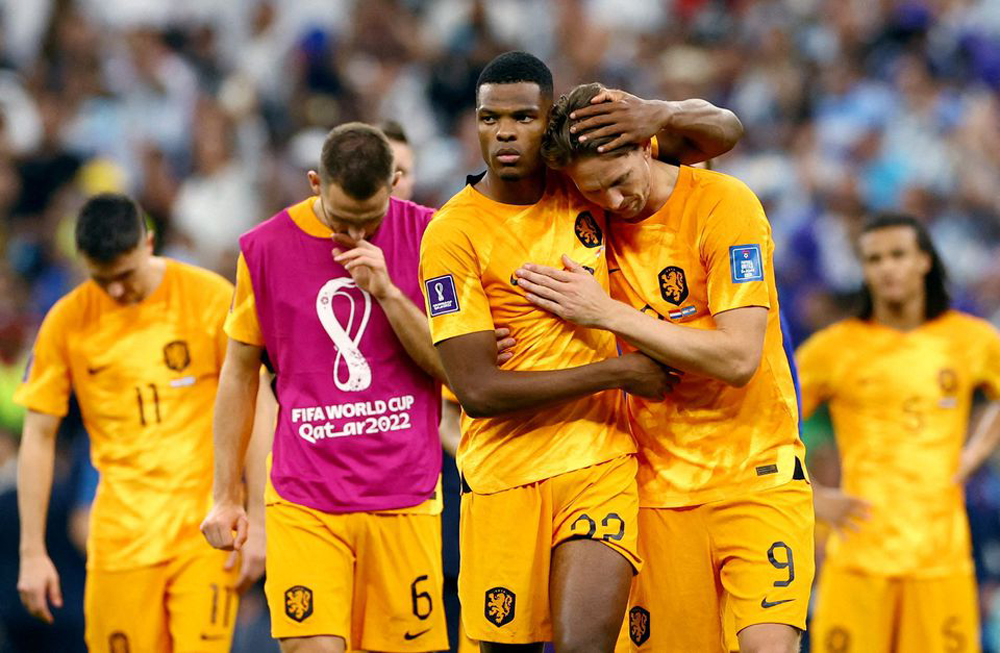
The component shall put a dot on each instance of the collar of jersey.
(305, 218)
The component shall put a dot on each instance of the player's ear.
(150, 241)
(314, 182)
(647, 149)
(396, 176)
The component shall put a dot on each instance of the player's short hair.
(937, 299)
(358, 158)
(515, 67)
(560, 147)
(109, 225)
(394, 131)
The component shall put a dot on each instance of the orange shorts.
(184, 605)
(373, 579)
(859, 613)
(507, 540)
(751, 556)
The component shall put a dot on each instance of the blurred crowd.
(210, 111)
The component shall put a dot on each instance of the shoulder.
(411, 211)
(461, 215)
(715, 190)
(964, 325)
(74, 303)
(265, 229)
(833, 337)
(201, 280)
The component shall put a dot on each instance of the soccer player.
(402, 156)
(141, 344)
(549, 510)
(327, 293)
(725, 517)
(899, 381)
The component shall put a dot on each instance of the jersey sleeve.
(989, 376)
(47, 384)
(736, 248)
(815, 363)
(241, 323)
(451, 281)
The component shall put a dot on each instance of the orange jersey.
(708, 250)
(468, 257)
(145, 377)
(900, 405)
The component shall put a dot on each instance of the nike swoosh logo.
(209, 638)
(94, 370)
(764, 603)
(408, 636)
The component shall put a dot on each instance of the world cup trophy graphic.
(359, 373)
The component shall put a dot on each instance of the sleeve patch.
(441, 295)
(746, 263)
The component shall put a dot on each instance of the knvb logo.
(500, 606)
(349, 356)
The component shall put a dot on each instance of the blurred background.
(210, 112)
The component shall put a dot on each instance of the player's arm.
(981, 443)
(687, 131)
(232, 426)
(38, 581)
(366, 264)
(450, 428)
(485, 390)
(731, 352)
(839, 510)
(253, 553)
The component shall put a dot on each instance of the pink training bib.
(358, 419)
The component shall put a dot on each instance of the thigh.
(596, 552)
(309, 572)
(125, 611)
(764, 542)
(939, 615)
(398, 604)
(676, 599)
(589, 590)
(506, 546)
(854, 613)
(201, 600)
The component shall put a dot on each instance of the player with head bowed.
(327, 296)
(141, 345)
(550, 504)
(725, 518)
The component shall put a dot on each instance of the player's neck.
(662, 183)
(522, 192)
(902, 316)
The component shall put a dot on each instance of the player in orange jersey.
(550, 503)
(899, 381)
(725, 519)
(141, 345)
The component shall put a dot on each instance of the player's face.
(403, 156)
(511, 120)
(343, 214)
(894, 266)
(125, 278)
(617, 183)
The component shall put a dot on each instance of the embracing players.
(725, 519)
(141, 344)
(550, 505)
(899, 380)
